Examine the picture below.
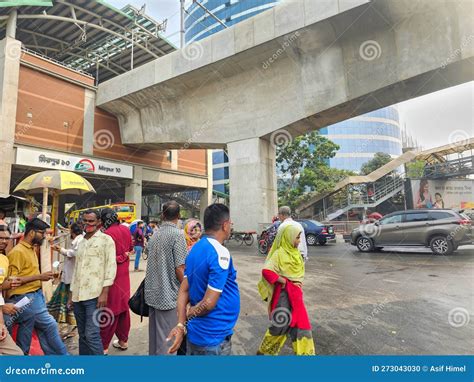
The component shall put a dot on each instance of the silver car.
(442, 230)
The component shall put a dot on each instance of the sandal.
(116, 344)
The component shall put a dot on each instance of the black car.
(317, 232)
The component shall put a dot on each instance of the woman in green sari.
(281, 287)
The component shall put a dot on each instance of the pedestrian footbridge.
(369, 191)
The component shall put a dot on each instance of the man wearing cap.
(24, 269)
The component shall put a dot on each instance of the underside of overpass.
(298, 67)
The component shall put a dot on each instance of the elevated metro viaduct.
(297, 67)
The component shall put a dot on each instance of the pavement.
(397, 301)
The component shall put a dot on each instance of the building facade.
(199, 24)
(361, 137)
(49, 78)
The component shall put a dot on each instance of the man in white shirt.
(284, 214)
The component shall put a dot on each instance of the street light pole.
(182, 24)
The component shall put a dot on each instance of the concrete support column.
(10, 52)
(253, 183)
(206, 195)
(89, 111)
(133, 192)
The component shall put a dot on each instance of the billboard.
(454, 193)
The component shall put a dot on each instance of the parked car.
(469, 213)
(317, 232)
(442, 230)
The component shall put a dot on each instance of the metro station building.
(52, 58)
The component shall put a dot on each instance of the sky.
(433, 120)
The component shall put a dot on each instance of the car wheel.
(364, 244)
(440, 245)
(322, 241)
(311, 239)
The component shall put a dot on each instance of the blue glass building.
(198, 24)
(359, 138)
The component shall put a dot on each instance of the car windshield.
(316, 223)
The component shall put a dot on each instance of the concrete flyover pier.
(299, 66)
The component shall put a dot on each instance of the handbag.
(137, 302)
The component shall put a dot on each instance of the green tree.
(415, 169)
(375, 163)
(303, 167)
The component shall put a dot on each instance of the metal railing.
(56, 62)
(381, 190)
(450, 168)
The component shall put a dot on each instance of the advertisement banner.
(454, 193)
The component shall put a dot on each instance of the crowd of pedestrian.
(190, 286)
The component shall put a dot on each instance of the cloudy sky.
(435, 119)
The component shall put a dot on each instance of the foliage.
(415, 169)
(303, 168)
(379, 160)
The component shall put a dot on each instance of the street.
(391, 302)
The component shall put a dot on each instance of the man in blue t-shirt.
(210, 287)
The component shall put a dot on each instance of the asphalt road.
(396, 301)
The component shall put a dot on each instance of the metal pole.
(182, 24)
(133, 45)
(210, 13)
(45, 203)
(11, 23)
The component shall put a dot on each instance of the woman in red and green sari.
(281, 286)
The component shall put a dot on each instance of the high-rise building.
(359, 138)
(199, 24)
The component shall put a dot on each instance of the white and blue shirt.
(209, 265)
